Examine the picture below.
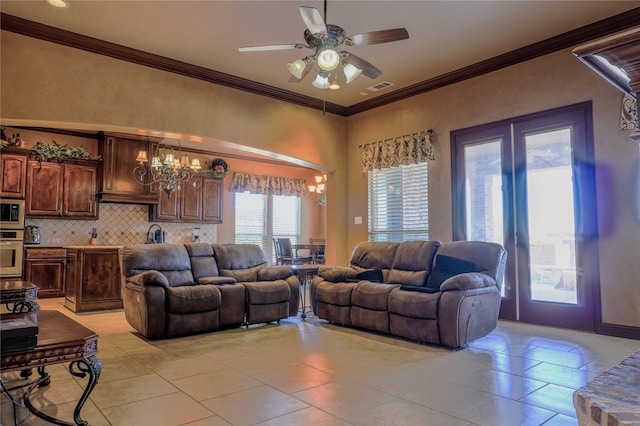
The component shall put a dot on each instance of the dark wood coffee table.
(60, 340)
(19, 296)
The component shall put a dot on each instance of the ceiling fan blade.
(268, 47)
(305, 73)
(313, 20)
(377, 37)
(367, 68)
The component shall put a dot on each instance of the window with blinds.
(251, 218)
(399, 203)
(286, 217)
(261, 218)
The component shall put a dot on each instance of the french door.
(528, 183)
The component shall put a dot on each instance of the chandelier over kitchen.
(168, 169)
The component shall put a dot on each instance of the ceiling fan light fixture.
(351, 72)
(328, 59)
(334, 85)
(321, 81)
(297, 67)
(62, 4)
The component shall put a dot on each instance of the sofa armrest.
(272, 273)
(149, 278)
(467, 281)
(337, 274)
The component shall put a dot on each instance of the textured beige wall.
(56, 86)
(548, 82)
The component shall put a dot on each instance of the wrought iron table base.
(90, 366)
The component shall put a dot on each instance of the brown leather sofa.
(174, 289)
(450, 301)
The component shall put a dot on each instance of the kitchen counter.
(74, 246)
(92, 246)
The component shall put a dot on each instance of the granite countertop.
(74, 246)
(92, 246)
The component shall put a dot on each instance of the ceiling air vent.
(380, 86)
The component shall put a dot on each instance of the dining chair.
(276, 246)
(289, 256)
(319, 253)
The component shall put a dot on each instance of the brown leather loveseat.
(174, 289)
(441, 293)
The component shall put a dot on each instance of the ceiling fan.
(325, 40)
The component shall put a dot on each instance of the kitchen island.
(92, 278)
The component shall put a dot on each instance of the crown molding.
(571, 38)
(67, 38)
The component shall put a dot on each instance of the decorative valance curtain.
(407, 149)
(629, 114)
(268, 185)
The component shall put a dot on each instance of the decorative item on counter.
(219, 168)
(55, 151)
(94, 237)
(195, 234)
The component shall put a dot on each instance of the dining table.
(314, 250)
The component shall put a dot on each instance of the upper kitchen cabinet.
(61, 190)
(201, 203)
(13, 172)
(119, 153)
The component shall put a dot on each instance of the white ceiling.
(444, 35)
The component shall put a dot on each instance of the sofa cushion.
(172, 260)
(334, 293)
(203, 263)
(414, 304)
(189, 299)
(238, 256)
(446, 267)
(371, 295)
(267, 292)
(373, 255)
(412, 262)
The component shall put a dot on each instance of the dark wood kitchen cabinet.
(119, 153)
(45, 267)
(56, 190)
(92, 279)
(197, 204)
(13, 173)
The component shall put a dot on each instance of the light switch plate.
(358, 220)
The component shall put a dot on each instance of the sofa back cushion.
(240, 261)
(412, 263)
(373, 255)
(487, 258)
(171, 260)
(203, 263)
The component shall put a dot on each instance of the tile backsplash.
(119, 224)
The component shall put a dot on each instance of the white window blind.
(286, 217)
(399, 203)
(261, 218)
(251, 218)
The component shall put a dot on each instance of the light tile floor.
(310, 372)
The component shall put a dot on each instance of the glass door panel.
(550, 213)
(483, 191)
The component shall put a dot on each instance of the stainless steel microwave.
(11, 214)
